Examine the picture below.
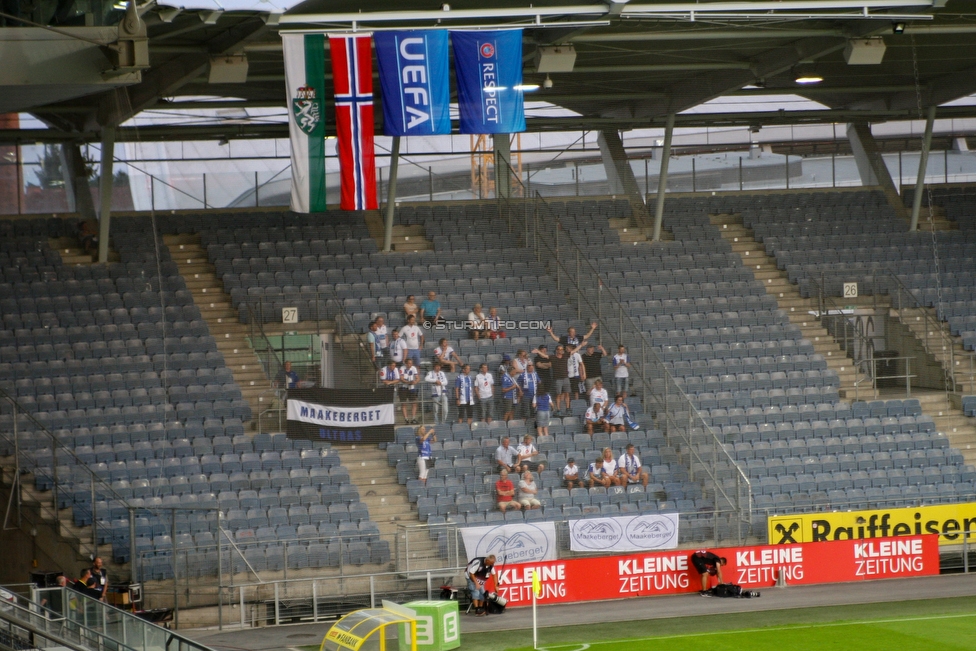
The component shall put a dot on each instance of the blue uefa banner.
(414, 78)
(488, 66)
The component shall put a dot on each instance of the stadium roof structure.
(636, 62)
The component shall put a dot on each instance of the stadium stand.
(165, 423)
(116, 362)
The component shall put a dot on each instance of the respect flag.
(305, 86)
(352, 75)
(414, 80)
(488, 66)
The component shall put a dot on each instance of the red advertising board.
(660, 573)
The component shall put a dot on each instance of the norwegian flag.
(352, 74)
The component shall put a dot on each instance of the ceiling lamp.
(806, 74)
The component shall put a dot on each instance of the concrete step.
(787, 296)
(222, 319)
(378, 485)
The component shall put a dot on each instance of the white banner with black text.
(341, 415)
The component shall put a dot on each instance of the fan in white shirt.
(477, 321)
(630, 469)
(576, 372)
(445, 354)
(437, 380)
(610, 465)
(484, 384)
(598, 395)
(621, 371)
(414, 337)
(409, 377)
(398, 348)
(526, 451)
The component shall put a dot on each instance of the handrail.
(57, 446)
(267, 354)
(651, 387)
(852, 341)
(357, 349)
(41, 622)
(110, 623)
(932, 325)
(872, 374)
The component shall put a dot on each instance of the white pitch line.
(577, 646)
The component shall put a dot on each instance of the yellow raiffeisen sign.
(946, 519)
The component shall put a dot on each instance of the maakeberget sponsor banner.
(599, 578)
(512, 543)
(341, 415)
(947, 520)
(624, 534)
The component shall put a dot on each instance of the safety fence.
(535, 223)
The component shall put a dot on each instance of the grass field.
(937, 624)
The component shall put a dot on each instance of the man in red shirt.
(505, 490)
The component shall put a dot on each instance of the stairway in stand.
(223, 321)
(405, 238)
(368, 469)
(787, 295)
(948, 418)
(388, 505)
(630, 232)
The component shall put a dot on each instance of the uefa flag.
(414, 80)
(352, 75)
(305, 85)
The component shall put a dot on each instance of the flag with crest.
(305, 85)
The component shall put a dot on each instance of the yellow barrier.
(948, 520)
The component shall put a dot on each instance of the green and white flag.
(305, 85)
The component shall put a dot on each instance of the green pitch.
(938, 624)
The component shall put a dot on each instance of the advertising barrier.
(624, 534)
(946, 519)
(512, 543)
(661, 573)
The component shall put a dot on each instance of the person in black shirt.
(477, 573)
(86, 586)
(543, 366)
(708, 565)
(571, 339)
(591, 362)
(99, 575)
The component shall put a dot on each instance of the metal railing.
(321, 599)
(25, 460)
(872, 374)
(935, 337)
(536, 225)
(114, 629)
(25, 624)
(836, 320)
(324, 309)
